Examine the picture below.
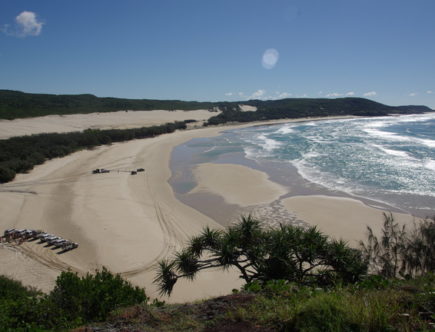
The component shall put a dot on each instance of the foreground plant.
(399, 252)
(290, 253)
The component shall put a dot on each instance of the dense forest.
(16, 104)
(305, 107)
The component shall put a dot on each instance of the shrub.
(399, 252)
(93, 297)
(290, 253)
(6, 174)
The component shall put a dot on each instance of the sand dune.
(108, 120)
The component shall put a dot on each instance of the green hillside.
(16, 104)
(304, 107)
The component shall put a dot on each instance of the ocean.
(387, 161)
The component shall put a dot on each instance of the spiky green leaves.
(289, 253)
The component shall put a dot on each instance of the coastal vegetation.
(73, 301)
(293, 108)
(338, 295)
(21, 154)
(17, 104)
(293, 254)
(400, 252)
(376, 304)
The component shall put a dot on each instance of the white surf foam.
(428, 142)
(430, 164)
(268, 144)
(391, 152)
(285, 130)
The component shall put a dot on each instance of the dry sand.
(123, 222)
(127, 223)
(109, 120)
(339, 217)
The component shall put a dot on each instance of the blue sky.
(221, 49)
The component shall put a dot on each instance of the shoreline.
(304, 203)
(123, 222)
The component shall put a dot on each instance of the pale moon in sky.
(270, 58)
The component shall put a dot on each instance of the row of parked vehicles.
(21, 235)
(103, 170)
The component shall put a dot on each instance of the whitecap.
(250, 153)
(391, 152)
(430, 164)
(268, 143)
(428, 142)
(386, 135)
(416, 118)
(285, 130)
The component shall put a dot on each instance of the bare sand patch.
(340, 217)
(247, 108)
(237, 184)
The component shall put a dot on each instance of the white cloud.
(228, 94)
(26, 24)
(281, 95)
(262, 94)
(370, 94)
(337, 94)
(259, 94)
(429, 92)
(270, 58)
(334, 94)
(412, 94)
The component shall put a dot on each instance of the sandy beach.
(127, 223)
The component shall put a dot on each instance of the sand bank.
(237, 184)
(338, 217)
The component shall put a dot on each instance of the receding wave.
(360, 156)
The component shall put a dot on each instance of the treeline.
(21, 154)
(73, 301)
(16, 104)
(304, 107)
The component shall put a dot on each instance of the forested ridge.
(294, 108)
(16, 104)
